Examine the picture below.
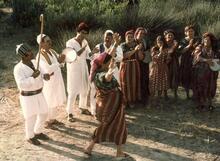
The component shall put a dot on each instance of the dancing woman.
(109, 102)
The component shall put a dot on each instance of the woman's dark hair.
(189, 27)
(168, 31)
(212, 39)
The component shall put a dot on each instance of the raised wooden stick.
(41, 34)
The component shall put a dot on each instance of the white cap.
(39, 36)
(22, 49)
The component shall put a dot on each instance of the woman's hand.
(209, 62)
(112, 64)
(138, 47)
(191, 42)
(117, 39)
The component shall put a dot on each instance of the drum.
(70, 55)
(215, 66)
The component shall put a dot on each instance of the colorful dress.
(159, 71)
(204, 79)
(130, 76)
(109, 111)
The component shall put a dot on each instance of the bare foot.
(94, 117)
(88, 151)
(121, 154)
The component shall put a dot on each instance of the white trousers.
(52, 113)
(92, 99)
(34, 125)
(71, 100)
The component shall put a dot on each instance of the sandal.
(57, 122)
(88, 153)
(70, 118)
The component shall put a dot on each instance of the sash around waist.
(131, 60)
(31, 93)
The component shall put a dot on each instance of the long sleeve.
(22, 80)
(46, 68)
(119, 53)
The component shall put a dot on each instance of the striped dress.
(109, 111)
(130, 76)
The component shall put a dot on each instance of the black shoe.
(70, 118)
(85, 111)
(34, 141)
(41, 136)
(55, 122)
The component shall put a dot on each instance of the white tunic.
(35, 104)
(118, 59)
(54, 89)
(77, 71)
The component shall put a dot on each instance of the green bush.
(156, 15)
(26, 12)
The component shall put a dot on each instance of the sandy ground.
(172, 132)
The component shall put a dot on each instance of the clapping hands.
(116, 38)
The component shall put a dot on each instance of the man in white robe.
(104, 47)
(30, 83)
(54, 89)
(77, 72)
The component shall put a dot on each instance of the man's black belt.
(31, 93)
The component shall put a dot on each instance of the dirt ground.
(173, 131)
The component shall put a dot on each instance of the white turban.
(39, 36)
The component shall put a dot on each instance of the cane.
(41, 33)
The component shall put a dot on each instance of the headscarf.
(138, 29)
(22, 49)
(168, 31)
(129, 32)
(97, 63)
(108, 32)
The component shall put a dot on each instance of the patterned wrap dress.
(204, 79)
(159, 71)
(109, 111)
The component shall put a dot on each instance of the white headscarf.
(108, 31)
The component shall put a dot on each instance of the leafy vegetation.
(64, 15)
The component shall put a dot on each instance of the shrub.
(157, 16)
(25, 13)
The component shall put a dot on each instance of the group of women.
(174, 64)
